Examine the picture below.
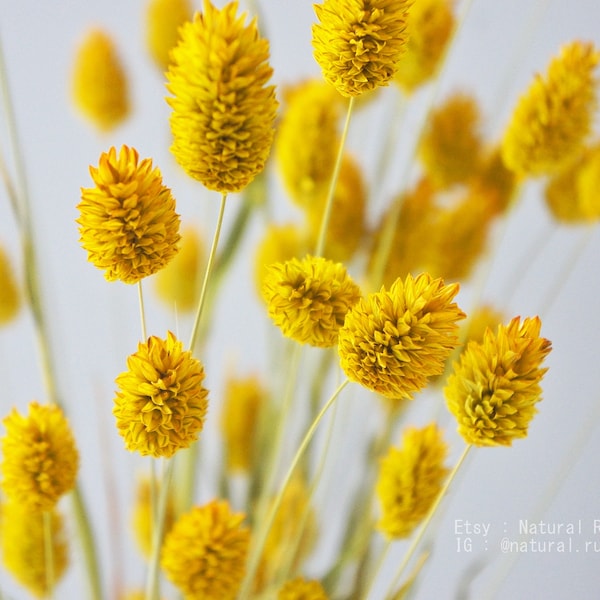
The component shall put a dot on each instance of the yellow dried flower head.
(205, 552)
(410, 479)
(358, 43)
(495, 182)
(393, 341)
(429, 27)
(39, 457)
(302, 589)
(243, 400)
(496, 383)
(23, 542)
(10, 298)
(223, 109)
(552, 119)
(142, 519)
(309, 298)
(163, 19)
(451, 147)
(307, 139)
(178, 284)
(161, 404)
(99, 82)
(127, 223)
(588, 184)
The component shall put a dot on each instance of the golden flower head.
(23, 544)
(127, 223)
(495, 182)
(302, 589)
(552, 119)
(163, 19)
(358, 43)
(410, 479)
(99, 82)
(39, 457)
(393, 341)
(10, 298)
(223, 109)
(205, 552)
(309, 298)
(588, 184)
(161, 405)
(496, 383)
(429, 27)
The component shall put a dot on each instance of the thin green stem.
(377, 568)
(142, 310)
(48, 553)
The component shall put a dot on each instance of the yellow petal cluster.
(410, 479)
(23, 544)
(309, 298)
(553, 118)
(99, 82)
(358, 43)
(223, 109)
(205, 552)
(160, 405)
(302, 589)
(10, 298)
(393, 341)
(127, 223)
(496, 383)
(39, 457)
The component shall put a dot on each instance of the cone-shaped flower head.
(223, 109)
(127, 223)
(205, 552)
(302, 589)
(99, 83)
(552, 119)
(309, 298)
(160, 405)
(23, 544)
(496, 383)
(410, 479)
(393, 341)
(358, 43)
(10, 299)
(39, 457)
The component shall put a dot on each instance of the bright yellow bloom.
(553, 118)
(99, 82)
(393, 341)
(39, 457)
(358, 43)
(302, 589)
(163, 19)
(178, 284)
(588, 184)
(496, 383)
(10, 299)
(223, 109)
(127, 223)
(308, 299)
(161, 405)
(242, 402)
(23, 541)
(410, 479)
(205, 553)
(451, 146)
(307, 139)
(429, 27)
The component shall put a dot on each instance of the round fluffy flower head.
(127, 223)
(223, 109)
(358, 43)
(496, 383)
(309, 298)
(10, 300)
(302, 589)
(40, 459)
(205, 552)
(163, 19)
(410, 479)
(552, 119)
(99, 82)
(23, 544)
(161, 405)
(393, 341)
